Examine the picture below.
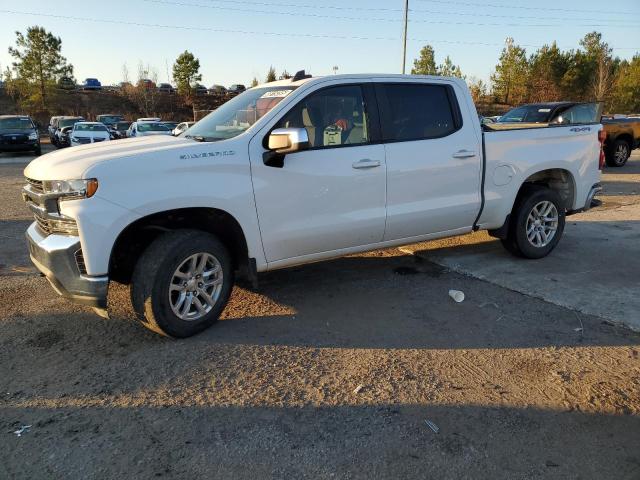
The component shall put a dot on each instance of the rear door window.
(414, 111)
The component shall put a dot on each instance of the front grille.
(83, 140)
(36, 185)
(14, 139)
(82, 268)
(98, 140)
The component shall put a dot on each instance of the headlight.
(71, 189)
(33, 136)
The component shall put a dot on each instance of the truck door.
(433, 160)
(332, 195)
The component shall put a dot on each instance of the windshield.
(121, 125)
(16, 124)
(152, 127)
(528, 114)
(90, 127)
(68, 123)
(238, 114)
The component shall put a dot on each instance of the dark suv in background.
(18, 133)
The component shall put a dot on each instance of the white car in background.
(149, 119)
(181, 128)
(89, 132)
(146, 129)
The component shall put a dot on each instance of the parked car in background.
(146, 83)
(217, 90)
(623, 136)
(89, 132)
(66, 83)
(200, 89)
(237, 88)
(166, 88)
(63, 138)
(536, 112)
(18, 133)
(109, 118)
(51, 129)
(182, 127)
(60, 123)
(146, 129)
(170, 125)
(91, 84)
(119, 129)
(1, 85)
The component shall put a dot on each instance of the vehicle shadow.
(390, 302)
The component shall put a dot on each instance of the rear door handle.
(464, 154)
(366, 163)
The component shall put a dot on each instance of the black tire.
(618, 153)
(153, 274)
(38, 151)
(517, 242)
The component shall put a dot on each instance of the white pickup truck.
(294, 172)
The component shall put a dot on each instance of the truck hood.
(71, 163)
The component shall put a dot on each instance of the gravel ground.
(327, 371)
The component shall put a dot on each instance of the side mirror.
(283, 141)
(288, 140)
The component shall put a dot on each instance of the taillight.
(602, 136)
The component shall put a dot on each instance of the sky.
(236, 40)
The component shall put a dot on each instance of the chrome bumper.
(595, 189)
(55, 257)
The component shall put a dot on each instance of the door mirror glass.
(288, 140)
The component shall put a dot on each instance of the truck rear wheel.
(618, 154)
(181, 283)
(537, 223)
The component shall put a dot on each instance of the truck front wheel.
(181, 283)
(537, 223)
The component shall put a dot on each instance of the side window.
(333, 117)
(581, 113)
(414, 111)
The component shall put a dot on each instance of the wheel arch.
(136, 237)
(559, 179)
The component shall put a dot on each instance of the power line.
(520, 7)
(431, 22)
(254, 32)
(400, 10)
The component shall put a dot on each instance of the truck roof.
(288, 82)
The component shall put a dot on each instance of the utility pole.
(404, 36)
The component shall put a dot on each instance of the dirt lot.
(519, 388)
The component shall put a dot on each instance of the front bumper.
(29, 146)
(55, 256)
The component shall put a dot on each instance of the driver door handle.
(464, 154)
(366, 163)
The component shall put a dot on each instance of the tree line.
(589, 73)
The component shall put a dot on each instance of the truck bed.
(513, 153)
